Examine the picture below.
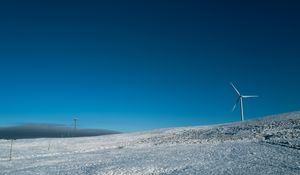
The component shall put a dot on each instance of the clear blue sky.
(140, 65)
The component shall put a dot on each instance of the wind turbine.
(75, 123)
(240, 100)
(75, 126)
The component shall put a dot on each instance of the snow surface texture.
(265, 146)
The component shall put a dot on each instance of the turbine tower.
(240, 100)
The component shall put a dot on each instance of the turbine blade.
(235, 89)
(249, 96)
(237, 101)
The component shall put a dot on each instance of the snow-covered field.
(266, 146)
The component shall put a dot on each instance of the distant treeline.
(48, 131)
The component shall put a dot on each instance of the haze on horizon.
(139, 65)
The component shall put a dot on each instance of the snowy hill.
(268, 145)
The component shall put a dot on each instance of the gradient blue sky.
(140, 65)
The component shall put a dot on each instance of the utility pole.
(49, 145)
(10, 151)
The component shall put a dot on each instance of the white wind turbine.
(240, 100)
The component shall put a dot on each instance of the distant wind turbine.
(240, 100)
(75, 126)
(75, 123)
